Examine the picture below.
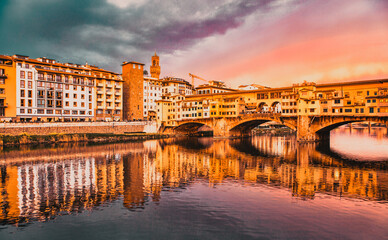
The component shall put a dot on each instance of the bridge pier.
(306, 133)
(220, 128)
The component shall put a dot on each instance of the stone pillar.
(220, 128)
(305, 131)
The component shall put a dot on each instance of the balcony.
(118, 93)
(109, 85)
(100, 92)
(100, 85)
(117, 86)
(100, 107)
(117, 100)
(109, 92)
(100, 99)
(109, 100)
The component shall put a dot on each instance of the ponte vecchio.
(311, 109)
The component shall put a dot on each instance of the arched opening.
(324, 131)
(330, 127)
(262, 107)
(246, 127)
(276, 107)
(194, 128)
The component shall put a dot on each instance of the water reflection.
(39, 184)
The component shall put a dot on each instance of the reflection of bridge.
(310, 109)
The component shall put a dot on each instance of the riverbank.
(26, 139)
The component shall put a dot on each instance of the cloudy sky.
(273, 43)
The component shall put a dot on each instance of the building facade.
(46, 90)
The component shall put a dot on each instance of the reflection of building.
(36, 186)
(133, 180)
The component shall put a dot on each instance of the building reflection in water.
(39, 184)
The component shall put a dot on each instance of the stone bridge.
(308, 128)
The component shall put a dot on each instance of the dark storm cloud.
(104, 34)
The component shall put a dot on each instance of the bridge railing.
(258, 115)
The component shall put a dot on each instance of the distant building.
(213, 87)
(172, 85)
(251, 87)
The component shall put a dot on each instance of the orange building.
(7, 88)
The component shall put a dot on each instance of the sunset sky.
(274, 43)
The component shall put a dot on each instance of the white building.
(152, 92)
(47, 90)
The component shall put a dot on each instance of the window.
(29, 93)
(22, 74)
(74, 95)
(40, 103)
(29, 74)
(22, 102)
(22, 93)
(337, 101)
(50, 103)
(40, 76)
(75, 104)
(58, 104)
(22, 84)
(348, 110)
(67, 87)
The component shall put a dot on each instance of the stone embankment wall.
(78, 127)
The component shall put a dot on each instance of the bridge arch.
(191, 127)
(327, 127)
(246, 125)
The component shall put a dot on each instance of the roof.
(132, 62)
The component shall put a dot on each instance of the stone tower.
(133, 89)
(155, 67)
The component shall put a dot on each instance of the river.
(264, 187)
